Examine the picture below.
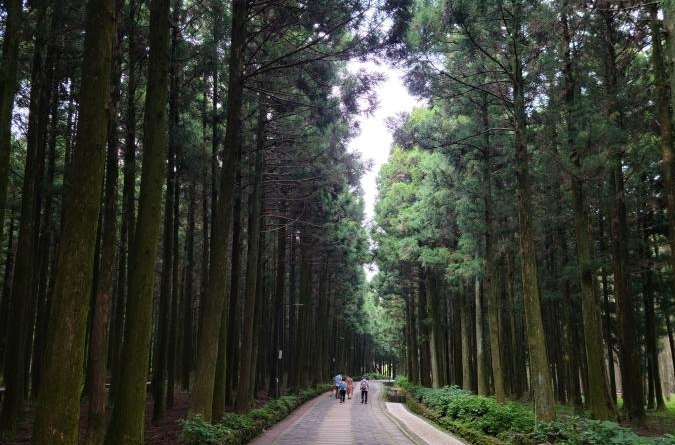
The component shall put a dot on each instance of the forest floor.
(165, 432)
(657, 423)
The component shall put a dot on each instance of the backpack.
(364, 385)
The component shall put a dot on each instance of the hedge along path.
(325, 421)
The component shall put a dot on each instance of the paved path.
(421, 428)
(325, 421)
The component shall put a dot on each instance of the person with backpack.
(343, 391)
(364, 390)
(350, 387)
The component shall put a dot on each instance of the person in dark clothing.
(364, 390)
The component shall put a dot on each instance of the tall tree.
(126, 422)
(64, 352)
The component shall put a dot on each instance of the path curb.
(400, 425)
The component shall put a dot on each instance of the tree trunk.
(491, 256)
(201, 401)
(8, 87)
(599, 399)
(279, 302)
(98, 343)
(188, 316)
(481, 362)
(651, 338)
(128, 203)
(629, 348)
(6, 291)
(437, 379)
(246, 363)
(663, 115)
(423, 329)
(126, 423)
(64, 351)
(46, 247)
(465, 321)
(23, 286)
(544, 403)
(167, 290)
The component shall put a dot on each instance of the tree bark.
(246, 363)
(64, 351)
(126, 423)
(599, 399)
(128, 202)
(233, 313)
(544, 403)
(188, 316)
(664, 116)
(98, 342)
(23, 284)
(201, 401)
(8, 88)
(423, 330)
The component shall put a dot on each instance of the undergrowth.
(483, 421)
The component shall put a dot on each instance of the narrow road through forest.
(325, 421)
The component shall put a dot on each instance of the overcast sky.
(374, 141)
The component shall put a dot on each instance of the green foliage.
(236, 429)
(483, 421)
(580, 431)
(482, 414)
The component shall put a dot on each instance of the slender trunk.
(607, 317)
(45, 249)
(64, 350)
(491, 255)
(466, 343)
(204, 279)
(201, 401)
(98, 343)
(481, 359)
(629, 348)
(128, 204)
(651, 338)
(544, 403)
(671, 338)
(167, 290)
(279, 302)
(423, 329)
(599, 400)
(126, 423)
(245, 390)
(188, 316)
(173, 328)
(437, 379)
(663, 115)
(8, 88)
(234, 313)
(23, 286)
(6, 291)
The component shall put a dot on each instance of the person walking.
(350, 387)
(338, 379)
(364, 390)
(343, 391)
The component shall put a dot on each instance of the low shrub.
(235, 429)
(483, 421)
(581, 431)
